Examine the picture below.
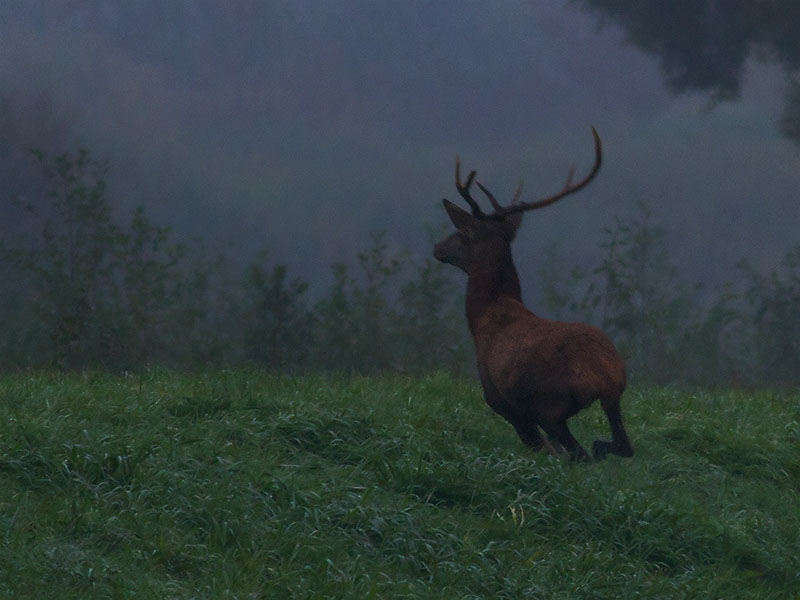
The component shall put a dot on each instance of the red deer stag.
(535, 373)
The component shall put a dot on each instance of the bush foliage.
(84, 289)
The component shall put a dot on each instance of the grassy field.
(244, 485)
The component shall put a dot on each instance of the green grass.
(237, 484)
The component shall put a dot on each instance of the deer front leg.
(526, 426)
(561, 432)
(531, 436)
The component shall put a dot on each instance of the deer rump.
(538, 372)
(535, 372)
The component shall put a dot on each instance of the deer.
(535, 373)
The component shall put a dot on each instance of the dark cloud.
(704, 45)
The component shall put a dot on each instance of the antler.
(569, 187)
(496, 205)
(515, 206)
(463, 190)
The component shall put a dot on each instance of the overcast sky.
(301, 126)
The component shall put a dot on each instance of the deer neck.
(491, 276)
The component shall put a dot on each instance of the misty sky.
(301, 126)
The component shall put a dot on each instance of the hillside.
(246, 485)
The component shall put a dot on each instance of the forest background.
(85, 287)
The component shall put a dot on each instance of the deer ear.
(515, 220)
(464, 222)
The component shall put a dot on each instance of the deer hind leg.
(619, 444)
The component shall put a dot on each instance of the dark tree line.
(744, 333)
(83, 289)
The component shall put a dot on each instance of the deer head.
(478, 233)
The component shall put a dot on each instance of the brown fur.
(535, 372)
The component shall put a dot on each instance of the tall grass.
(239, 484)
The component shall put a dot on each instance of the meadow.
(242, 484)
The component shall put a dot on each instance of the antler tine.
(517, 194)
(463, 190)
(495, 205)
(570, 175)
(569, 188)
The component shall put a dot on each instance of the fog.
(301, 126)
